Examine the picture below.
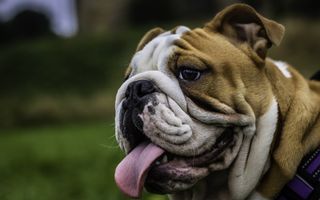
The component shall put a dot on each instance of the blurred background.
(61, 63)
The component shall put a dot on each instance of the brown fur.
(299, 102)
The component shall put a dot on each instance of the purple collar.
(305, 185)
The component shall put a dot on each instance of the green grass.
(60, 162)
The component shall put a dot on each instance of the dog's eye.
(189, 74)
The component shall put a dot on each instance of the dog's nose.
(138, 89)
(137, 96)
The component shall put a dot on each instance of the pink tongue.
(131, 172)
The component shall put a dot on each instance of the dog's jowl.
(205, 114)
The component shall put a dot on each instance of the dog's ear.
(241, 23)
(148, 37)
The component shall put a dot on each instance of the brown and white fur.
(273, 110)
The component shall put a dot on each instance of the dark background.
(57, 92)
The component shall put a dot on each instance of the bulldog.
(204, 114)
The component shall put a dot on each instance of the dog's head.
(190, 99)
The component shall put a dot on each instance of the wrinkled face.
(185, 98)
(191, 102)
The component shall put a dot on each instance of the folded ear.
(242, 24)
(148, 37)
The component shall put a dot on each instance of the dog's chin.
(172, 173)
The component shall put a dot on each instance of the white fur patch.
(283, 67)
(253, 156)
(154, 56)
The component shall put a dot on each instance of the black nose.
(138, 94)
(138, 89)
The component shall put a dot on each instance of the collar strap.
(305, 185)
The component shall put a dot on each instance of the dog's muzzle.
(170, 144)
